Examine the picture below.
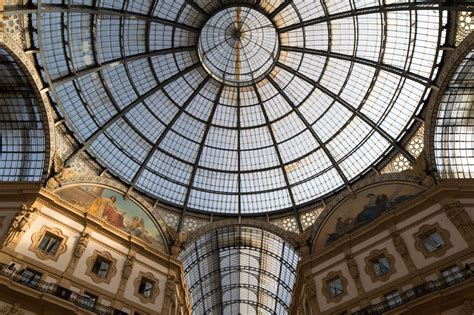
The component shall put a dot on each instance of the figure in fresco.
(99, 204)
(375, 206)
(112, 215)
(113, 208)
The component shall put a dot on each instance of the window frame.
(148, 276)
(91, 262)
(374, 256)
(429, 229)
(326, 288)
(37, 238)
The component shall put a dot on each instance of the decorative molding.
(12, 309)
(369, 269)
(154, 292)
(426, 229)
(110, 273)
(325, 289)
(291, 238)
(402, 249)
(38, 236)
(461, 220)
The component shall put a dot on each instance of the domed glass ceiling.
(241, 108)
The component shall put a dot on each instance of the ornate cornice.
(290, 237)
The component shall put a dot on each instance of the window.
(451, 274)
(393, 299)
(335, 287)
(433, 241)
(50, 243)
(381, 266)
(146, 287)
(30, 277)
(101, 267)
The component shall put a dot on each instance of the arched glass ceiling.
(454, 131)
(22, 137)
(240, 270)
(258, 123)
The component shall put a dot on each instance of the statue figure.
(12, 310)
(459, 217)
(19, 222)
(468, 307)
(60, 172)
(170, 296)
(400, 244)
(81, 245)
(309, 288)
(353, 268)
(127, 267)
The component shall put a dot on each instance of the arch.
(370, 199)
(243, 258)
(36, 112)
(444, 117)
(72, 190)
(290, 237)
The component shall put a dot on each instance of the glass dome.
(238, 107)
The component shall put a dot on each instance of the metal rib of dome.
(295, 101)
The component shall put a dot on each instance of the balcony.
(81, 301)
(418, 291)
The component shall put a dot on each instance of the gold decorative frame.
(369, 269)
(110, 273)
(38, 236)
(325, 289)
(426, 229)
(154, 292)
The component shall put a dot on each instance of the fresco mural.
(113, 208)
(368, 204)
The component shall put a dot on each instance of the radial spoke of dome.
(354, 110)
(280, 8)
(198, 156)
(370, 10)
(400, 72)
(167, 129)
(86, 143)
(239, 154)
(313, 133)
(124, 60)
(63, 8)
(280, 159)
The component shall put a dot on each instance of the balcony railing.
(81, 301)
(418, 291)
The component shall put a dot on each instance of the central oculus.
(238, 46)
